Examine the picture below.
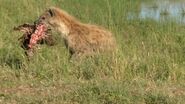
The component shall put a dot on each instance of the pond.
(160, 10)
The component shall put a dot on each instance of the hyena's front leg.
(77, 57)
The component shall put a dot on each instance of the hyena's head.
(47, 18)
(54, 18)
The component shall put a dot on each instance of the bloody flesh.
(34, 34)
(40, 33)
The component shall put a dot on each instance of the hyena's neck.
(73, 28)
(68, 24)
(63, 29)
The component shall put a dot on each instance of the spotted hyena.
(81, 39)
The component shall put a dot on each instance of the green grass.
(148, 69)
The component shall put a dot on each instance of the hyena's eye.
(43, 18)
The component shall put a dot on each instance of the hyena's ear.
(54, 11)
(51, 12)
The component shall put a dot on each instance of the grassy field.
(148, 69)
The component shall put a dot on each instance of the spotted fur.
(81, 39)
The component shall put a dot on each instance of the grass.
(148, 69)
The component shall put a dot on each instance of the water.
(161, 10)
